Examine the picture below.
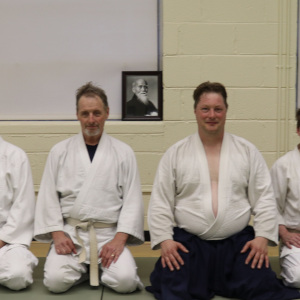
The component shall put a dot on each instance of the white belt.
(90, 227)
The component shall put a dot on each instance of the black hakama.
(216, 267)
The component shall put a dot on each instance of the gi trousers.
(61, 272)
(290, 266)
(16, 266)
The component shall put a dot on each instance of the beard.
(92, 132)
(143, 98)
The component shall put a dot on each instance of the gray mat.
(84, 291)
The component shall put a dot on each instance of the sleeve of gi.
(280, 186)
(48, 214)
(18, 228)
(162, 202)
(262, 199)
(131, 218)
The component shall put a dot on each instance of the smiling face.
(92, 115)
(210, 114)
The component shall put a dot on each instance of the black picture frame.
(134, 108)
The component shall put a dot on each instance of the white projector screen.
(49, 48)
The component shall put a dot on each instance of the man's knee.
(61, 272)
(58, 281)
(17, 278)
(291, 276)
(124, 281)
(61, 276)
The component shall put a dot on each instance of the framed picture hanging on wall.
(142, 95)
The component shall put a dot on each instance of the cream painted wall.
(249, 46)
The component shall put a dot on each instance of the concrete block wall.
(249, 46)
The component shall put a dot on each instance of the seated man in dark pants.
(206, 188)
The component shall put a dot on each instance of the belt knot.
(90, 227)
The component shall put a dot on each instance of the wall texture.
(249, 46)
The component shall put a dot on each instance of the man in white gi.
(17, 204)
(206, 188)
(285, 175)
(90, 204)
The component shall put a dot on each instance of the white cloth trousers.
(63, 271)
(286, 182)
(16, 266)
(290, 266)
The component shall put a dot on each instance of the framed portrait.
(141, 95)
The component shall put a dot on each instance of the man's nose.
(211, 113)
(91, 118)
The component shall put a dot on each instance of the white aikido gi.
(181, 194)
(17, 204)
(106, 190)
(285, 175)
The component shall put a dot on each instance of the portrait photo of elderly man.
(142, 95)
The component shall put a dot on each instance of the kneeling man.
(90, 204)
(285, 175)
(17, 204)
(206, 188)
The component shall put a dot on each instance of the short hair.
(91, 90)
(209, 87)
(298, 118)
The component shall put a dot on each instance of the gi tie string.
(90, 227)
